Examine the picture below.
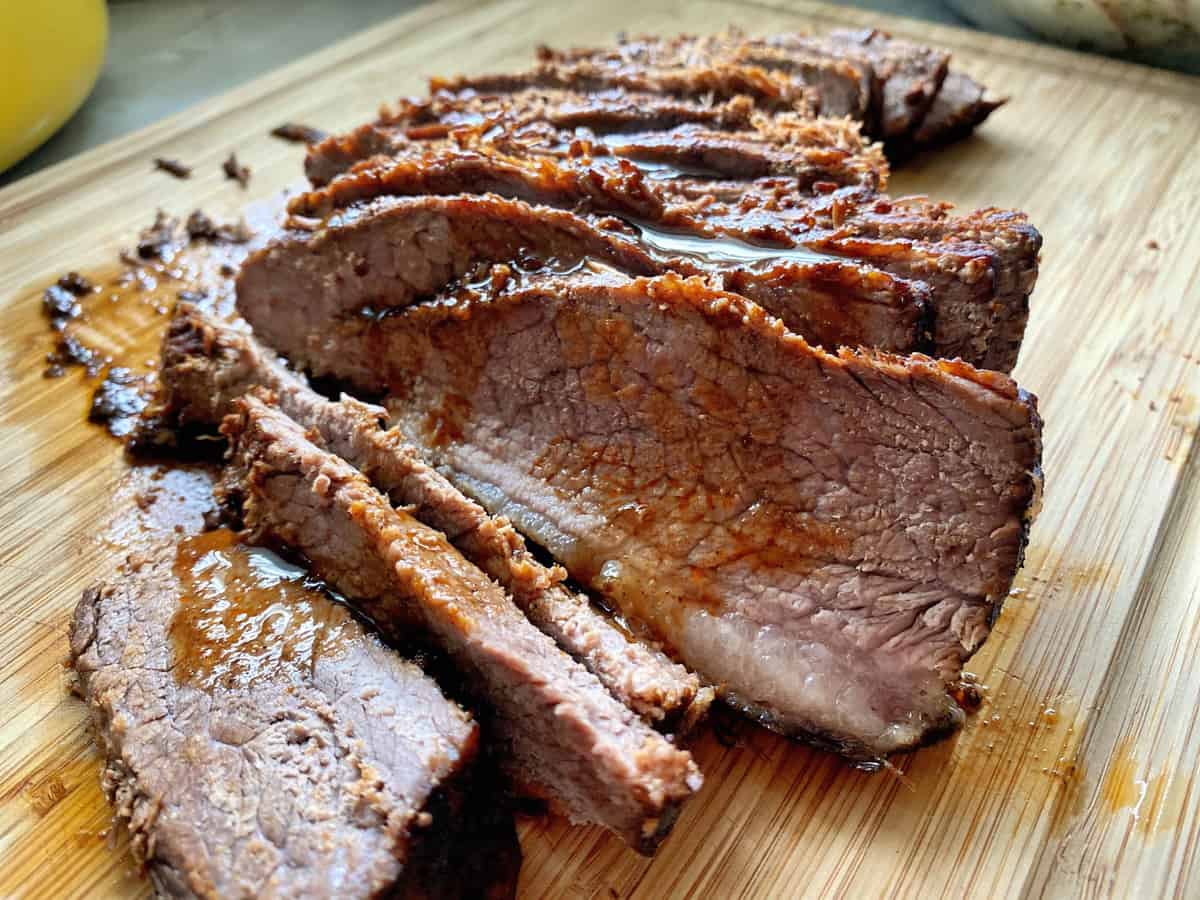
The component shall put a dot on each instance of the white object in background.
(1112, 25)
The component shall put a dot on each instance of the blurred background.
(165, 55)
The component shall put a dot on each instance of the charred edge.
(470, 849)
(652, 838)
(926, 325)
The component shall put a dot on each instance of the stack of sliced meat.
(905, 94)
(646, 308)
(655, 167)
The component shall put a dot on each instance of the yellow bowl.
(50, 56)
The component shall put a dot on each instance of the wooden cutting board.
(1076, 778)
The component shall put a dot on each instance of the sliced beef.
(837, 86)
(715, 81)
(394, 253)
(726, 139)
(843, 88)
(906, 77)
(562, 734)
(826, 537)
(416, 121)
(807, 78)
(257, 740)
(803, 151)
(384, 255)
(891, 85)
(960, 106)
(904, 93)
(975, 271)
(207, 364)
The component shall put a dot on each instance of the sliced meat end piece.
(303, 764)
(804, 151)
(207, 364)
(960, 107)
(978, 268)
(394, 252)
(830, 85)
(610, 112)
(337, 153)
(981, 267)
(827, 537)
(564, 736)
(909, 77)
(904, 93)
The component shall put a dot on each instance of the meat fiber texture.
(207, 364)
(311, 771)
(560, 733)
(826, 537)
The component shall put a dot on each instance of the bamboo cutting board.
(1075, 779)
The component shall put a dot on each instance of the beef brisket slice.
(711, 81)
(829, 85)
(723, 139)
(393, 251)
(974, 272)
(562, 734)
(258, 742)
(207, 364)
(960, 106)
(826, 537)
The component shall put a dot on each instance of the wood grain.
(1076, 779)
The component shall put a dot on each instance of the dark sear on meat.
(207, 364)
(258, 742)
(559, 733)
(826, 537)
